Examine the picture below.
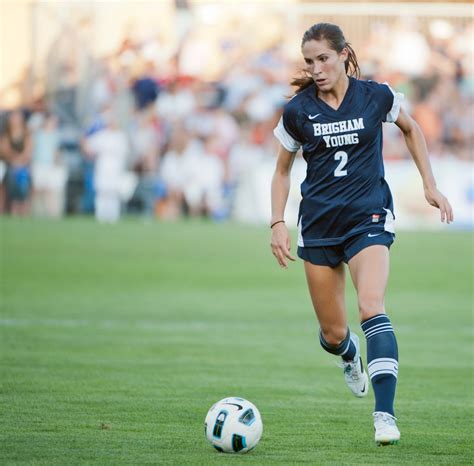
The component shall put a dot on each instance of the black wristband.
(279, 221)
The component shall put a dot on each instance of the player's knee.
(333, 336)
(370, 304)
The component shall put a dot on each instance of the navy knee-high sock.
(382, 360)
(346, 349)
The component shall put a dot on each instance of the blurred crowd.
(151, 132)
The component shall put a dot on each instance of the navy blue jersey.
(344, 192)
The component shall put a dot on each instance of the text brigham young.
(323, 129)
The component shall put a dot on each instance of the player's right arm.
(280, 241)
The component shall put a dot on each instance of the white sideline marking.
(76, 323)
(46, 322)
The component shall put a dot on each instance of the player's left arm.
(416, 144)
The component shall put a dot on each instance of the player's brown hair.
(336, 40)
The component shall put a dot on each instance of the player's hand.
(280, 244)
(437, 199)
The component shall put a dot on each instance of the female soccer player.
(346, 212)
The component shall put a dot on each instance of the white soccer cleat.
(354, 373)
(386, 430)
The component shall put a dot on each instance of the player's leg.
(326, 286)
(369, 270)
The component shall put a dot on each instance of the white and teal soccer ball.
(233, 425)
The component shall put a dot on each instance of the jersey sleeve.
(391, 103)
(287, 132)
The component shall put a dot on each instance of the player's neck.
(335, 96)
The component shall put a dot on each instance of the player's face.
(325, 65)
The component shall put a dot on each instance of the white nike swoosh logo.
(370, 235)
(312, 117)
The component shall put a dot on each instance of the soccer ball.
(233, 425)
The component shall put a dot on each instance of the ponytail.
(302, 83)
(352, 67)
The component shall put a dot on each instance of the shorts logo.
(375, 218)
(371, 235)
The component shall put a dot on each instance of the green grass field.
(115, 341)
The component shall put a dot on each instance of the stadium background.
(116, 339)
(207, 81)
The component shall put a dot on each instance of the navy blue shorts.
(332, 256)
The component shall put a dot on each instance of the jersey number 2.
(342, 156)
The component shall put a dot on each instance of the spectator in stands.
(173, 172)
(16, 147)
(109, 148)
(48, 171)
(145, 88)
(177, 101)
(146, 141)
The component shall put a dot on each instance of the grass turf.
(115, 341)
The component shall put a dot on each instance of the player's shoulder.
(374, 91)
(371, 86)
(380, 94)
